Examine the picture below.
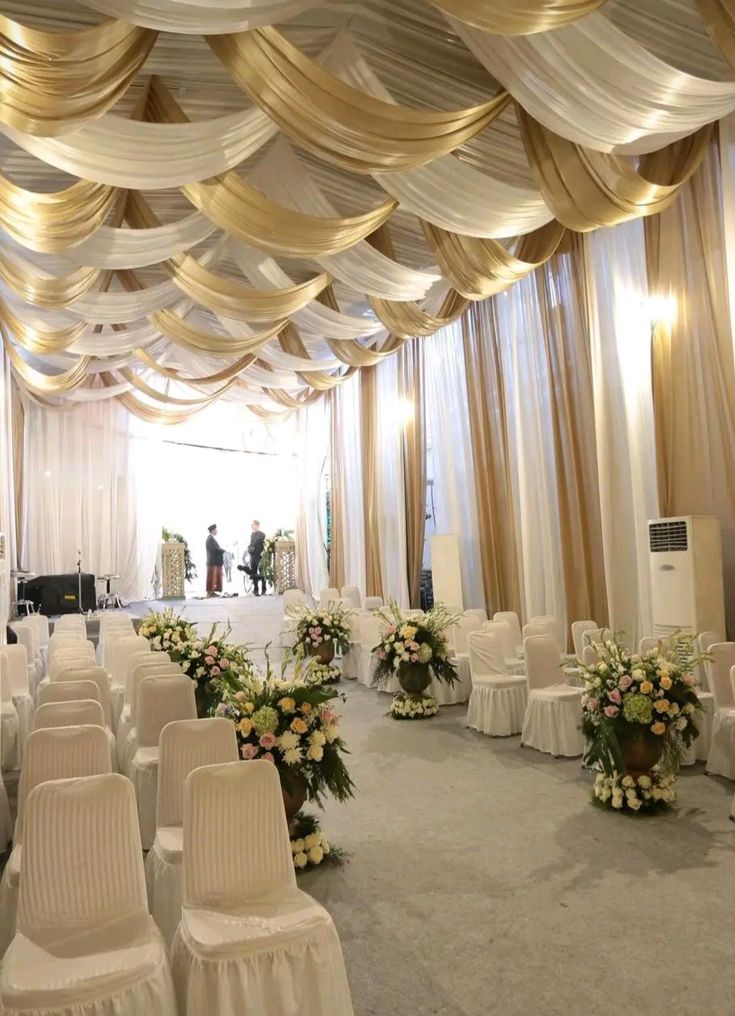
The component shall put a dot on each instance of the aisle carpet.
(481, 882)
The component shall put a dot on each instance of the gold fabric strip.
(479, 268)
(65, 381)
(149, 413)
(51, 293)
(49, 223)
(226, 374)
(511, 17)
(40, 340)
(247, 214)
(197, 340)
(719, 17)
(334, 120)
(587, 189)
(352, 353)
(407, 320)
(290, 342)
(152, 393)
(293, 401)
(370, 492)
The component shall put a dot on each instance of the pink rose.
(611, 711)
(414, 658)
(391, 629)
(615, 696)
(248, 751)
(268, 757)
(381, 654)
(225, 664)
(209, 660)
(215, 671)
(267, 741)
(689, 679)
(197, 645)
(328, 715)
(212, 650)
(318, 640)
(593, 704)
(317, 631)
(625, 681)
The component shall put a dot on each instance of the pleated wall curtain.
(393, 495)
(310, 533)
(7, 495)
(347, 561)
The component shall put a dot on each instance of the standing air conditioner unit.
(687, 589)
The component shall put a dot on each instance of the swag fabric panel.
(511, 17)
(51, 222)
(407, 320)
(192, 18)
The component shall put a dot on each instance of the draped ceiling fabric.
(254, 199)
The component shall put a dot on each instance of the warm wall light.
(660, 309)
(404, 411)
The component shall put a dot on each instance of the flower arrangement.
(321, 627)
(317, 672)
(207, 659)
(291, 724)
(420, 642)
(165, 630)
(309, 845)
(413, 707)
(638, 712)
(268, 557)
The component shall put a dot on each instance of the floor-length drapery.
(615, 276)
(7, 491)
(310, 531)
(391, 484)
(411, 385)
(337, 507)
(693, 372)
(370, 496)
(347, 564)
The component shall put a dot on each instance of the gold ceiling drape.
(517, 17)
(51, 222)
(407, 320)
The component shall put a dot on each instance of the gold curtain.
(338, 513)
(370, 491)
(478, 268)
(49, 223)
(586, 189)
(336, 121)
(719, 17)
(411, 385)
(693, 371)
(561, 291)
(491, 459)
(406, 319)
(517, 17)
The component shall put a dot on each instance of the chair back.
(534, 628)
(293, 597)
(704, 641)
(100, 677)
(75, 646)
(152, 669)
(327, 596)
(107, 643)
(651, 645)
(110, 620)
(161, 700)
(69, 714)
(69, 661)
(486, 654)
(122, 649)
(505, 633)
(543, 667)
(234, 812)
(476, 612)
(590, 657)
(579, 630)
(71, 622)
(462, 630)
(68, 691)
(373, 602)
(28, 638)
(370, 629)
(6, 694)
(40, 622)
(515, 625)
(16, 660)
(59, 752)
(185, 745)
(94, 875)
(353, 596)
(140, 657)
(723, 659)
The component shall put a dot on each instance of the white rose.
(297, 846)
(634, 803)
(316, 855)
(300, 860)
(312, 840)
(628, 781)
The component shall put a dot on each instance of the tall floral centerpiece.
(414, 650)
(206, 660)
(321, 631)
(165, 630)
(639, 712)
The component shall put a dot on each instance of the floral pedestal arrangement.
(638, 713)
(414, 650)
(413, 707)
(322, 632)
(309, 846)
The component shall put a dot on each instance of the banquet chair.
(136, 658)
(159, 700)
(249, 940)
(9, 760)
(6, 822)
(41, 624)
(68, 691)
(127, 737)
(71, 622)
(554, 710)
(498, 700)
(476, 612)
(590, 657)
(52, 754)
(107, 641)
(184, 745)
(327, 596)
(415, 614)
(534, 628)
(122, 648)
(28, 637)
(515, 626)
(513, 662)
(60, 659)
(373, 602)
(371, 627)
(15, 659)
(96, 674)
(579, 631)
(721, 758)
(352, 595)
(704, 640)
(72, 713)
(84, 945)
(57, 642)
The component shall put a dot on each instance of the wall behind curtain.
(90, 487)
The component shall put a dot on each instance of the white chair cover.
(292, 597)
(579, 628)
(28, 638)
(67, 621)
(69, 713)
(554, 710)
(122, 648)
(327, 596)
(42, 627)
(590, 657)
(507, 641)
(51, 755)
(100, 677)
(721, 758)
(498, 700)
(68, 660)
(543, 627)
(370, 629)
(184, 745)
(515, 626)
(160, 700)
(705, 640)
(127, 738)
(477, 612)
(373, 602)
(68, 691)
(353, 596)
(249, 940)
(17, 670)
(115, 961)
(6, 822)
(9, 759)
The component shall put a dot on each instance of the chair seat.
(555, 692)
(94, 962)
(170, 843)
(499, 680)
(265, 924)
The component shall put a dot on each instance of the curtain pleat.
(370, 451)
(411, 382)
(337, 492)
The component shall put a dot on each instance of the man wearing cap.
(215, 558)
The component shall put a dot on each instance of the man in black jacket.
(215, 557)
(255, 550)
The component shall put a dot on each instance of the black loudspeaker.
(59, 594)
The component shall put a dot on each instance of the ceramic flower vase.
(641, 749)
(324, 653)
(414, 678)
(293, 797)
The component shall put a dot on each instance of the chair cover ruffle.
(497, 711)
(447, 695)
(721, 758)
(144, 776)
(117, 698)
(163, 880)
(262, 963)
(553, 720)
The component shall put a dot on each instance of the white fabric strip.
(201, 17)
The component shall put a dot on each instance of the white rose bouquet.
(165, 630)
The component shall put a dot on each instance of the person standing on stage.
(255, 550)
(215, 558)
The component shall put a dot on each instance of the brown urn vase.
(414, 678)
(641, 750)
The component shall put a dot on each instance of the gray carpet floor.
(480, 881)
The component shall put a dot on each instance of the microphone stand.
(79, 580)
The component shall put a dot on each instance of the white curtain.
(726, 128)
(7, 493)
(311, 537)
(89, 482)
(448, 435)
(348, 394)
(390, 478)
(622, 387)
(532, 458)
